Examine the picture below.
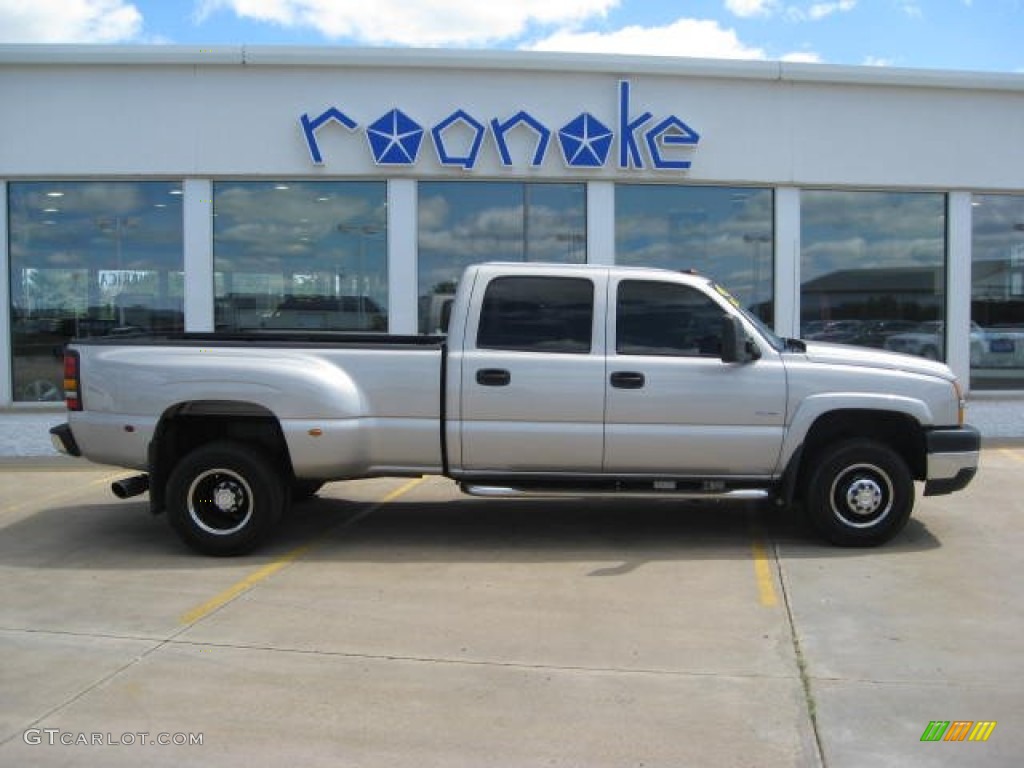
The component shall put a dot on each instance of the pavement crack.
(477, 662)
(801, 661)
(87, 689)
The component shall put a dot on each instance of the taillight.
(72, 381)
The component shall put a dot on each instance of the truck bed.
(348, 405)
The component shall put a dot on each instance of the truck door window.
(655, 318)
(537, 314)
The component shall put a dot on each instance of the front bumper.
(64, 441)
(952, 459)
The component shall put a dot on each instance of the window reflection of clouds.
(726, 233)
(873, 267)
(257, 224)
(463, 223)
(89, 258)
(998, 226)
(997, 289)
(870, 230)
(80, 224)
(318, 240)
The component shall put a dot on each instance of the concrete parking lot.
(400, 624)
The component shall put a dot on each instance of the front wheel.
(860, 493)
(224, 498)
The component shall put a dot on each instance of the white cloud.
(878, 61)
(912, 9)
(821, 10)
(68, 21)
(685, 37)
(426, 22)
(748, 8)
(803, 57)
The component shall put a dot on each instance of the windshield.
(770, 336)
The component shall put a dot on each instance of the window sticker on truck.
(726, 295)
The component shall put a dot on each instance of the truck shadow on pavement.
(474, 530)
(123, 535)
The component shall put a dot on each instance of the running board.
(507, 492)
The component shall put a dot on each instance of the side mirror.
(735, 347)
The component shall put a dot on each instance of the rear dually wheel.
(225, 498)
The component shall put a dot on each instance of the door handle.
(493, 377)
(627, 380)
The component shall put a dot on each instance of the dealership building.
(249, 188)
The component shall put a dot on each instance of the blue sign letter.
(438, 130)
(629, 150)
(500, 129)
(671, 132)
(309, 128)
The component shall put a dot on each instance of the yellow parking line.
(202, 611)
(66, 494)
(763, 574)
(1012, 453)
(244, 585)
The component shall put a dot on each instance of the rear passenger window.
(667, 319)
(537, 314)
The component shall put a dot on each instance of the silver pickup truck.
(552, 380)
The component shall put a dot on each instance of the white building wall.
(601, 222)
(204, 114)
(210, 114)
(197, 213)
(787, 261)
(958, 282)
(402, 257)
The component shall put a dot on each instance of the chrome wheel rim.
(862, 496)
(220, 502)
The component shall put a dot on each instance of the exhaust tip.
(130, 486)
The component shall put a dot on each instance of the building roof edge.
(419, 58)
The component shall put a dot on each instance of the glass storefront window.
(726, 233)
(300, 255)
(463, 223)
(89, 258)
(873, 268)
(997, 292)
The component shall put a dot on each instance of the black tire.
(224, 498)
(860, 493)
(304, 490)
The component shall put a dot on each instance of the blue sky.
(983, 35)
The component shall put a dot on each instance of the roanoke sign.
(640, 139)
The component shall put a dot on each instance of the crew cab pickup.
(551, 380)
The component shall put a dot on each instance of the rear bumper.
(64, 440)
(952, 459)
